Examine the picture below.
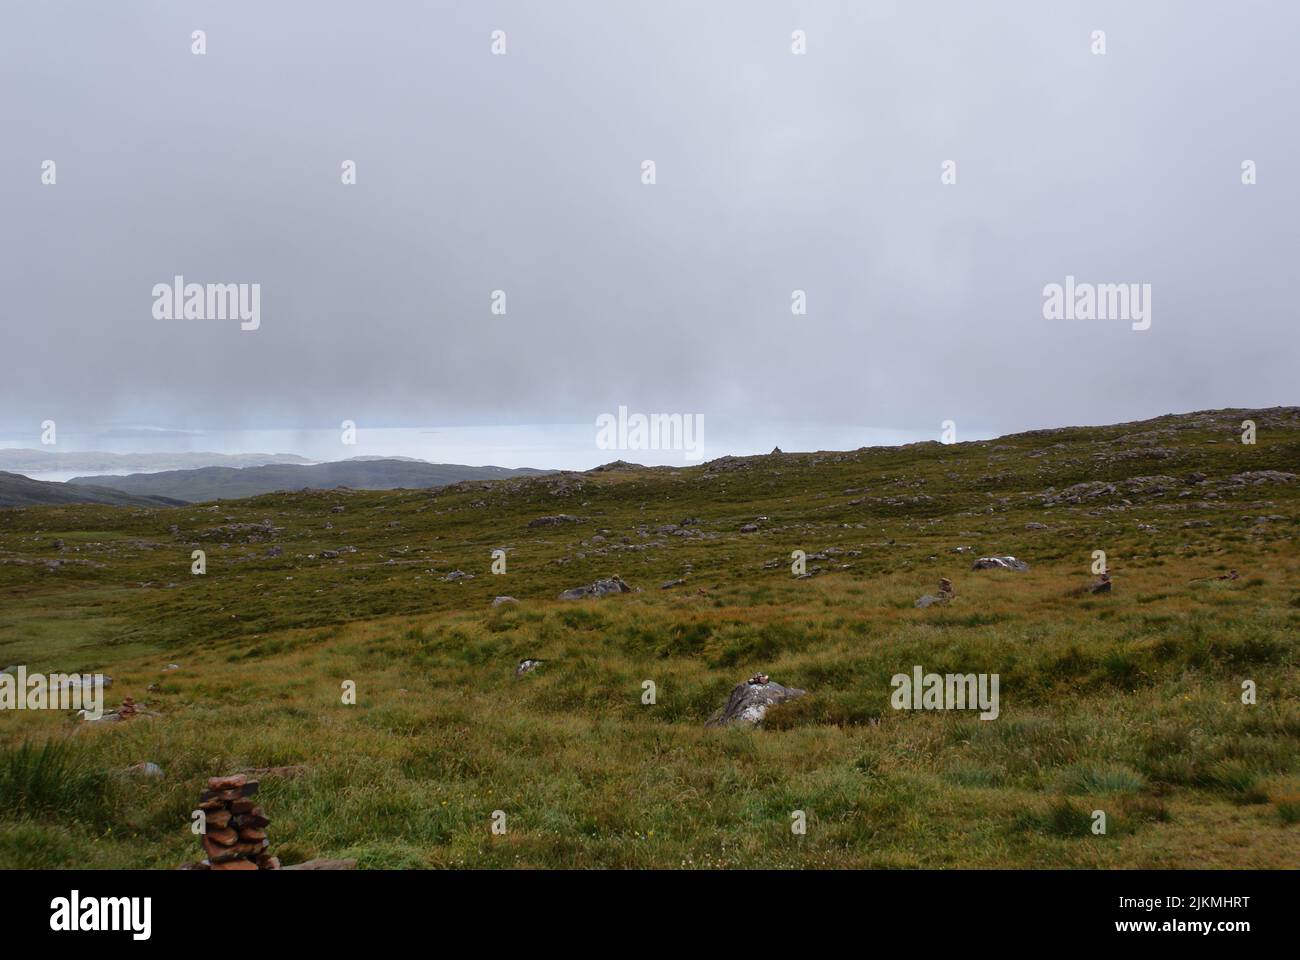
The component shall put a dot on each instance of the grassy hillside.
(1128, 703)
(19, 491)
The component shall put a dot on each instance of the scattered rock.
(749, 702)
(555, 521)
(1079, 492)
(749, 528)
(456, 575)
(1035, 526)
(498, 601)
(673, 583)
(1255, 477)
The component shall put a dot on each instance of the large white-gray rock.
(601, 588)
(1000, 563)
(749, 703)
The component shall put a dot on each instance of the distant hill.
(30, 461)
(19, 491)
(226, 483)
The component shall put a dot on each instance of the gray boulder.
(749, 703)
(1000, 563)
(601, 588)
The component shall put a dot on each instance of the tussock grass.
(1130, 703)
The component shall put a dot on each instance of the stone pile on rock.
(127, 711)
(750, 701)
(945, 594)
(235, 835)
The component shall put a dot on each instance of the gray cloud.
(775, 172)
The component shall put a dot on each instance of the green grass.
(1129, 703)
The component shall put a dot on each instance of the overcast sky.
(775, 172)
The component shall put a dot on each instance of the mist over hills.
(364, 473)
(29, 461)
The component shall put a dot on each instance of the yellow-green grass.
(1129, 704)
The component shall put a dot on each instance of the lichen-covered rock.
(749, 703)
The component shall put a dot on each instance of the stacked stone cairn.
(236, 827)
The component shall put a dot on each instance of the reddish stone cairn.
(236, 828)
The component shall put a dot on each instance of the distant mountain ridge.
(19, 491)
(28, 461)
(233, 483)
